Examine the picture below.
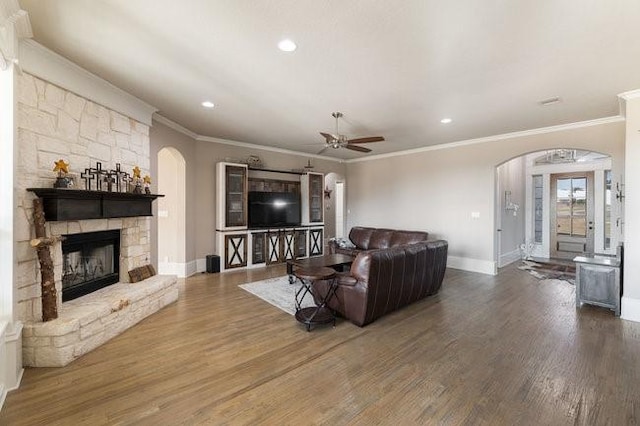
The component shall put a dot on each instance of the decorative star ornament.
(61, 167)
(147, 179)
(136, 172)
(327, 192)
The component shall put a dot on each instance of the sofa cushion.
(380, 239)
(408, 237)
(360, 236)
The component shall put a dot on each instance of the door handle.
(590, 226)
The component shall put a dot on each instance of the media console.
(238, 245)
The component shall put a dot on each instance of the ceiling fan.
(340, 141)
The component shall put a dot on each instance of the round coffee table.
(321, 313)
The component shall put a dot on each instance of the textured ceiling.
(393, 68)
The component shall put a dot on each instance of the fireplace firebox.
(90, 261)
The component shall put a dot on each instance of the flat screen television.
(273, 209)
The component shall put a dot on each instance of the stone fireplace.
(95, 300)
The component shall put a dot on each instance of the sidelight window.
(607, 209)
(537, 208)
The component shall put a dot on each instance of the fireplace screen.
(90, 261)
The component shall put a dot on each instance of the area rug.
(550, 270)
(278, 292)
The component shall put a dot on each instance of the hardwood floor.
(487, 350)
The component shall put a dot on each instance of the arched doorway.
(334, 217)
(555, 203)
(172, 213)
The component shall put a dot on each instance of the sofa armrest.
(346, 280)
(360, 266)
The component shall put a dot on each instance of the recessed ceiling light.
(208, 104)
(287, 45)
(446, 120)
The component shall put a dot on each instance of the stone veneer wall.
(54, 123)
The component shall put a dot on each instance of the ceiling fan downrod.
(339, 140)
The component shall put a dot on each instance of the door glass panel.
(564, 225)
(563, 206)
(571, 206)
(579, 213)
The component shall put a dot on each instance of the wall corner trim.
(43, 63)
(630, 309)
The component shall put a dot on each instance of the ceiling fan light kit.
(338, 140)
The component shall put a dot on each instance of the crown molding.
(14, 26)
(267, 148)
(631, 94)
(41, 62)
(177, 127)
(504, 136)
(624, 97)
(561, 127)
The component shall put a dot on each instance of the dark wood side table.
(339, 262)
(321, 313)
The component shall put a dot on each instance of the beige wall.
(437, 190)
(510, 177)
(631, 296)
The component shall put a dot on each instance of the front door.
(571, 214)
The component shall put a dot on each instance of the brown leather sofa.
(362, 238)
(382, 280)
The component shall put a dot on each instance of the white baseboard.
(472, 265)
(630, 309)
(191, 268)
(508, 258)
(201, 265)
(181, 270)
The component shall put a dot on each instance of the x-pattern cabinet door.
(273, 247)
(315, 242)
(235, 248)
(288, 245)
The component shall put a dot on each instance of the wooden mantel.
(75, 204)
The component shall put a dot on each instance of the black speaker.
(213, 263)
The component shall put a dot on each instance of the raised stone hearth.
(89, 321)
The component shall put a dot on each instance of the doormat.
(550, 270)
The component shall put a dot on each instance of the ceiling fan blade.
(329, 137)
(357, 148)
(323, 150)
(367, 140)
